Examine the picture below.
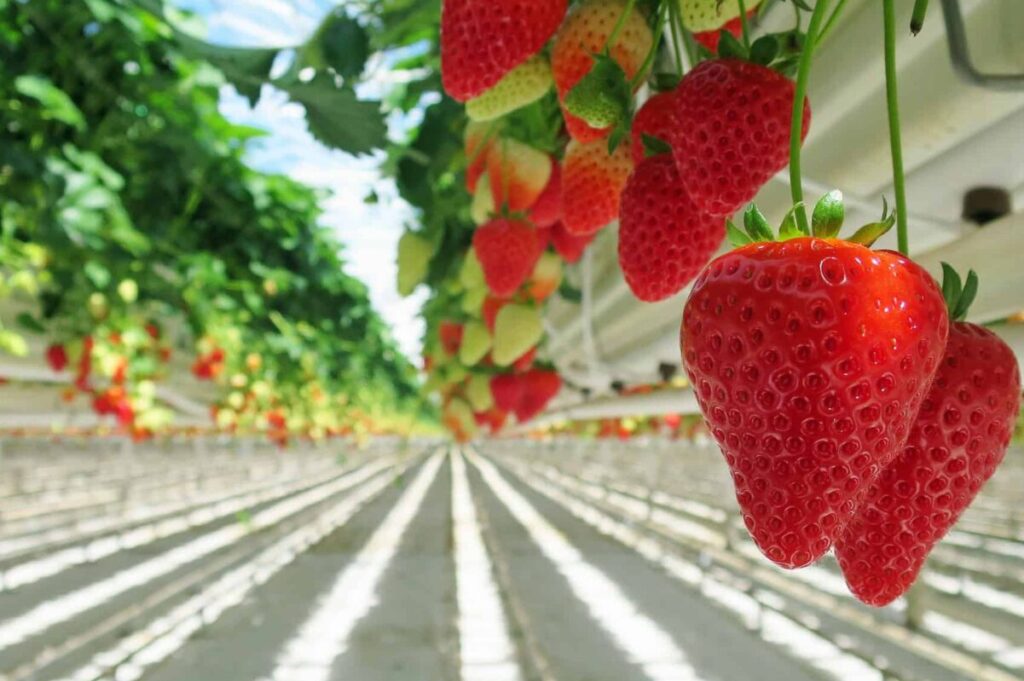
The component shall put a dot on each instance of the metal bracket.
(959, 52)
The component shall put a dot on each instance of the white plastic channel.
(324, 636)
(644, 642)
(485, 646)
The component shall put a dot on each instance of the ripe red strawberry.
(567, 245)
(493, 419)
(507, 249)
(731, 131)
(585, 33)
(664, 240)
(507, 390)
(592, 182)
(539, 388)
(655, 118)
(959, 438)
(810, 359)
(482, 40)
(450, 335)
(57, 357)
(547, 210)
(518, 174)
(525, 363)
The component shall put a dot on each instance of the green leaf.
(245, 68)
(729, 47)
(764, 50)
(343, 44)
(13, 344)
(569, 292)
(30, 323)
(54, 101)
(757, 225)
(736, 236)
(97, 274)
(828, 216)
(654, 146)
(337, 118)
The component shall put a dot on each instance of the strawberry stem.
(796, 129)
(673, 24)
(619, 25)
(649, 59)
(893, 103)
(830, 24)
(743, 22)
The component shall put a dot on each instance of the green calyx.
(958, 294)
(603, 97)
(826, 223)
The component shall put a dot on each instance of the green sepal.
(737, 237)
(870, 233)
(802, 4)
(664, 81)
(757, 225)
(789, 228)
(828, 215)
(730, 47)
(958, 295)
(764, 50)
(654, 146)
(620, 133)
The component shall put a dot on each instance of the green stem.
(619, 25)
(795, 130)
(917, 18)
(743, 22)
(830, 25)
(659, 30)
(674, 32)
(893, 104)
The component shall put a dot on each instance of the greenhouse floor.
(564, 561)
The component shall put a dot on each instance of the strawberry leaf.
(828, 215)
(764, 50)
(966, 296)
(654, 146)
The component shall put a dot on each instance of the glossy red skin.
(507, 391)
(655, 118)
(664, 239)
(507, 251)
(731, 131)
(810, 359)
(482, 40)
(958, 440)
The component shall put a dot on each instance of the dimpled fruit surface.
(810, 359)
(958, 440)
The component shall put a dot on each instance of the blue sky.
(370, 232)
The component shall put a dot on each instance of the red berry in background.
(57, 357)
(507, 250)
(493, 419)
(525, 363)
(507, 391)
(664, 240)
(958, 440)
(709, 39)
(489, 310)
(567, 245)
(654, 119)
(585, 33)
(592, 183)
(810, 359)
(450, 335)
(731, 131)
(539, 388)
(482, 40)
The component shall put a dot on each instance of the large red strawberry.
(654, 119)
(507, 249)
(539, 387)
(664, 240)
(592, 183)
(482, 40)
(810, 358)
(959, 438)
(731, 131)
(569, 246)
(585, 33)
